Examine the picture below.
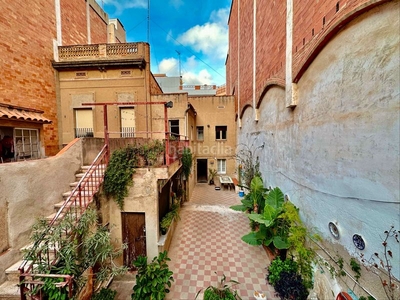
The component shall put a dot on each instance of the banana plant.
(254, 201)
(272, 229)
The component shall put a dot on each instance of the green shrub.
(153, 280)
(186, 162)
(104, 294)
(118, 175)
(278, 266)
(285, 278)
(169, 217)
(223, 291)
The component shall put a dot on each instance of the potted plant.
(223, 291)
(211, 174)
(169, 218)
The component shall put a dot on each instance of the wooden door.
(134, 236)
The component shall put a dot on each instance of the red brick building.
(314, 23)
(30, 34)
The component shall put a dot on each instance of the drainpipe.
(106, 140)
(238, 66)
(166, 136)
(254, 58)
(186, 122)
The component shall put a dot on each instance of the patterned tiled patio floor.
(207, 241)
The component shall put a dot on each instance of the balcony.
(100, 54)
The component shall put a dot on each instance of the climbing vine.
(118, 176)
(186, 162)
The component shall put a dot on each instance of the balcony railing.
(127, 132)
(83, 132)
(101, 51)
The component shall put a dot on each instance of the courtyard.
(206, 245)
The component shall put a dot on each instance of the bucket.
(241, 194)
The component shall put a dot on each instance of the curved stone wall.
(336, 154)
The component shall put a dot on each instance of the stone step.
(12, 272)
(88, 184)
(27, 248)
(80, 175)
(84, 194)
(9, 290)
(50, 217)
(58, 205)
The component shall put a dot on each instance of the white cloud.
(170, 67)
(220, 16)
(210, 38)
(191, 63)
(121, 5)
(202, 77)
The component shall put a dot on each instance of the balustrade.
(96, 51)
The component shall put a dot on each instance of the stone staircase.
(9, 290)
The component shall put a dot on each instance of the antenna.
(179, 60)
(148, 21)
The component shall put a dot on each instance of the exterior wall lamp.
(169, 104)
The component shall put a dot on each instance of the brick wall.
(246, 52)
(98, 27)
(270, 52)
(73, 21)
(231, 63)
(26, 52)
(271, 42)
(314, 23)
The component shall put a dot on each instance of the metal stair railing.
(74, 206)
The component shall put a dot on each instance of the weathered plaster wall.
(29, 191)
(337, 153)
(142, 197)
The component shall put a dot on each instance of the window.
(127, 121)
(84, 122)
(174, 127)
(26, 143)
(200, 133)
(221, 166)
(220, 132)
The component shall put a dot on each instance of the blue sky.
(198, 30)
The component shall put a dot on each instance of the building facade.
(105, 73)
(208, 123)
(317, 89)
